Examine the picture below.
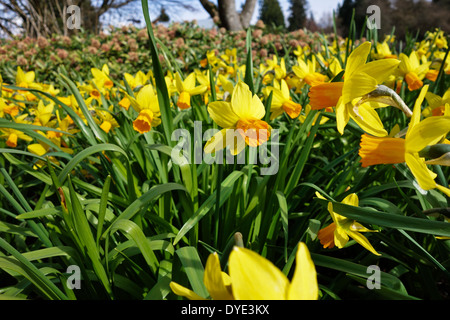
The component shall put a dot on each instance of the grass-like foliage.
(107, 174)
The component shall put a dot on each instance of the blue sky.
(176, 13)
(317, 7)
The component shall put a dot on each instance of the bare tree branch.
(211, 8)
(247, 12)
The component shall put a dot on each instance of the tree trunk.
(247, 12)
(227, 14)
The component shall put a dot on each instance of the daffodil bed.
(118, 164)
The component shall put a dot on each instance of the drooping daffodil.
(420, 134)
(360, 78)
(253, 277)
(338, 232)
(147, 105)
(187, 88)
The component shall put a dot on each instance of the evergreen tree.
(271, 13)
(298, 17)
(344, 15)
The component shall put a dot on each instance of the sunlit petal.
(254, 277)
(304, 281)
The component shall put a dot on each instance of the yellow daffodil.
(107, 120)
(140, 79)
(438, 37)
(334, 66)
(436, 104)
(278, 69)
(413, 70)
(187, 88)
(43, 113)
(217, 282)
(41, 148)
(171, 83)
(303, 117)
(252, 277)
(301, 52)
(3, 107)
(12, 136)
(242, 115)
(26, 80)
(439, 60)
(50, 88)
(147, 105)
(383, 51)
(420, 134)
(230, 56)
(339, 231)
(256, 278)
(203, 79)
(360, 78)
(213, 60)
(101, 77)
(306, 72)
(63, 125)
(282, 101)
(226, 86)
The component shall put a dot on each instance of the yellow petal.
(357, 85)
(415, 118)
(357, 58)
(106, 126)
(184, 292)
(37, 149)
(358, 227)
(423, 175)
(148, 99)
(444, 190)
(405, 64)
(351, 200)
(198, 90)
(368, 120)
(340, 237)
(284, 89)
(254, 277)
(189, 82)
(428, 132)
(213, 279)
(235, 140)
(304, 282)
(342, 116)
(179, 83)
(362, 240)
(244, 104)
(222, 114)
(380, 69)
(257, 107)
(217, 142)
(241, 100)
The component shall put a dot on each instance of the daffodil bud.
(438, 154)
(386, 95)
